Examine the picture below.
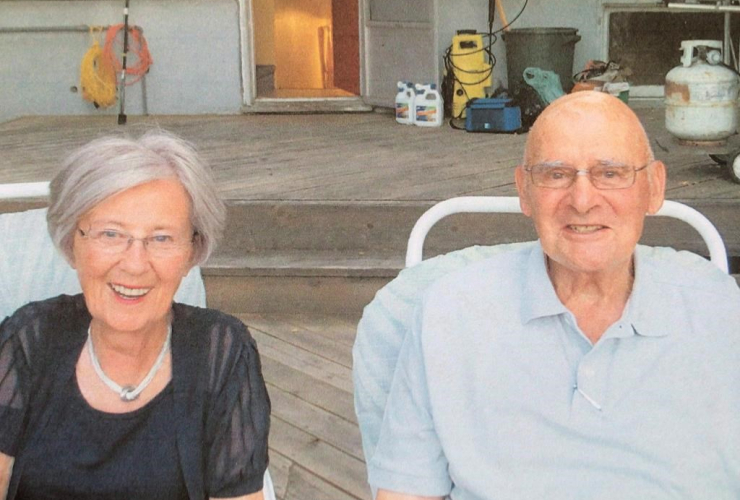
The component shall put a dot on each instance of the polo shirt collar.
(646, 299)
(538, 295)
(539, 298)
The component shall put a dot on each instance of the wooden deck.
(338, 156)
(315, 448)
(315, 444)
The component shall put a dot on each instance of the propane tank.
(701, 95)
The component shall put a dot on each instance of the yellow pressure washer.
(471, 73)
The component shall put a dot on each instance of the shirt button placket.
(588, 394)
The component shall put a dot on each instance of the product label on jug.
(402, 111)
(426, 113)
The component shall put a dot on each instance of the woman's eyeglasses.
(114, 241)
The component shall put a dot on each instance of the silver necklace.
(128, 393)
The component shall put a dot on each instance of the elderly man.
(580, 366)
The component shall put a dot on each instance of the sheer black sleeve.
(19, 336)
(238, 417)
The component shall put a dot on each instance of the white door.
(400, 43)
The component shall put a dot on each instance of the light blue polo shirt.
(498, 394)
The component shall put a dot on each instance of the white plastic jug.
(405, 103)
(428, 106)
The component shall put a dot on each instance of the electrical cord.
(524, 6)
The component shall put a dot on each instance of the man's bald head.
(589, 110)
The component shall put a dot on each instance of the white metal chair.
(510, 204)
(386, 319)
(32, 269)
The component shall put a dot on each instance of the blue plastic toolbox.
(492, 115)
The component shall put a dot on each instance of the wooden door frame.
(246, 49)
(248, 60)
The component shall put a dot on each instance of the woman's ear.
(70, 256)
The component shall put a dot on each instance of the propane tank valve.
(714, 57)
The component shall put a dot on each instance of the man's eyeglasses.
(114, 241)
(602, 176)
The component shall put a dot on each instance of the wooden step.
(331, 236)
(332, 257)
(333, 295)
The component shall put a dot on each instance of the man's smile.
(585, 229)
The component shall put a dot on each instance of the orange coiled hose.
(137, 46)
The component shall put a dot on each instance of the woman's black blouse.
(87, 454)
(220, 407)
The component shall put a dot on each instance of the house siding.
(195, 46)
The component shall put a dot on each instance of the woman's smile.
(129, 292)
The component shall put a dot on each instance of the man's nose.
(583, 193)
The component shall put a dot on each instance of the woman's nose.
(135, 258)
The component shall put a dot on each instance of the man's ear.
(657, 178)
(522, 188)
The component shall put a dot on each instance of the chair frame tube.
(510, 204)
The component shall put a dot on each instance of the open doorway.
(306, 48)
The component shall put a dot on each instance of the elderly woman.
(119, 392)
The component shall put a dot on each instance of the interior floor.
(307, 93)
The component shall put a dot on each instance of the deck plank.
(316, 366)
(319, 393)
(300, 337)
(307, 486)
(312, 419)
(340, 329)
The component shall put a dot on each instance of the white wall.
(195, 45)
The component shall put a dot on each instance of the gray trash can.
(544, 48)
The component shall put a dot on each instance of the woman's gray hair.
(110, 165)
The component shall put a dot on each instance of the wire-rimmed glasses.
(159, 245)
(602, 175)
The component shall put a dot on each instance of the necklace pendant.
(128, 393)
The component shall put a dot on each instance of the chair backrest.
(385, 321)
(510, 204)
(24, 190)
